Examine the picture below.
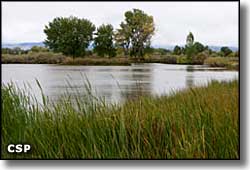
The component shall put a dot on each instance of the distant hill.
(217, 48)
(29, 45)
(24, 46)
(214, 48)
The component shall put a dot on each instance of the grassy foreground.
(199, 123)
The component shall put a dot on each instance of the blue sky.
(212, 23)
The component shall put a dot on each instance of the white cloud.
(212, 23)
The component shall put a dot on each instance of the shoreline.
(57, 58)
(130, 64)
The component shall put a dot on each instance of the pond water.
(115, 83)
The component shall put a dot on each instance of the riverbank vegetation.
(77, 41)
(196, 123)
(213, 60)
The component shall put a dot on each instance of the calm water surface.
(115, 83)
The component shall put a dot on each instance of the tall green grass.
(197, 123)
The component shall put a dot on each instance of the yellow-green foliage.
(182, 59)
(228, 62)
(216, 61)
(199, 58)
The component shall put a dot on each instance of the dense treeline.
(72, 36)
(80, 38)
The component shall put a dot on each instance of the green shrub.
(68, 60)
(214, 55)
(182, 59)
(233, 54)
(171, 59)
(199, 58)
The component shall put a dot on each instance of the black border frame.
(239, 51)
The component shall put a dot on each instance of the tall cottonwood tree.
(136, 32)
(71, 35)
(189, 47)
(190, 39)
(103, 42)
(122, 37)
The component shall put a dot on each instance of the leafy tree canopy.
(103, 42)
(71, 36)
(198, 47)
(38, 49)
(177, 50)
(122, 37)
(136, 31)
(226, 51)
(190, 39)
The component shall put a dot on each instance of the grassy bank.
(229, 63)
(200, 123)
(57, 58)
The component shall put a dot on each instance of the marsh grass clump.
(227, 62)
(33, 58)
(199, 123)
(217, 62)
